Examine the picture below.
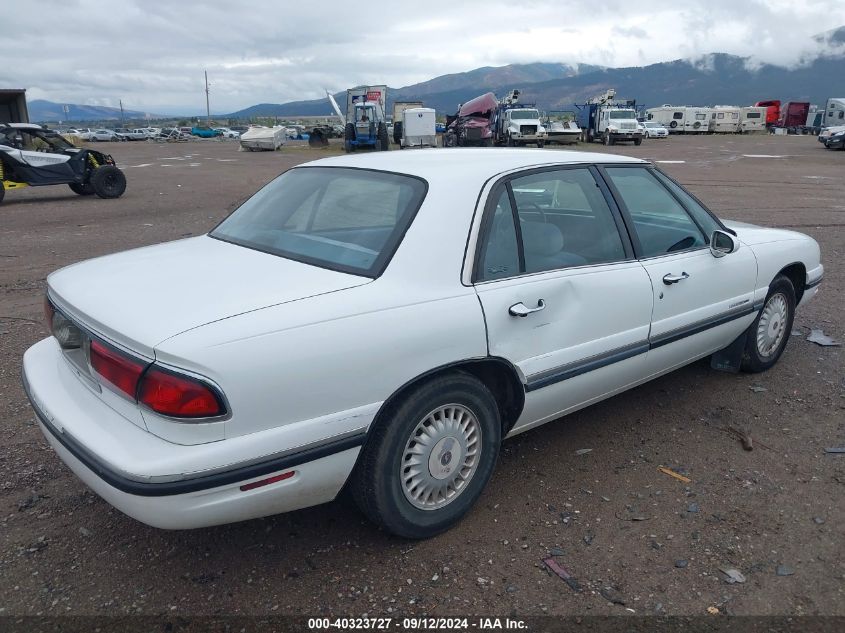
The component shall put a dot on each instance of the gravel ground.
(635, 538)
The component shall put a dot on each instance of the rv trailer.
(681, 119)
(724, 120)
(752, 120)
(670, 117)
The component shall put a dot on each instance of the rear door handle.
(521, 310)
(673, 279)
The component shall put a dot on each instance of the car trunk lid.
(142, 297)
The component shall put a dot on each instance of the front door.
(563, 297)
(701, 303)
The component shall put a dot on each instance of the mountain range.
(42, 110)
(713, 79)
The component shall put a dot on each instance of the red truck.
(793, 116)
(772, 111)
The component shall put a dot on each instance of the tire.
(348, 137)
(541, 144)
(607, 138)
(383, 140)
(647, 135)
(2, 191)
(510, 142)
(377, 483)
(108, 182)
(397, 132)
(777, 315)
(673, 124)
(638, 141)
(82, 189)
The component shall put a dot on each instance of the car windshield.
(33, 139)
(344, 219)
(525, 114)
(623, 114)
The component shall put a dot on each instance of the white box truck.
(418, 128)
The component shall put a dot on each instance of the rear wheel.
(349, 137)
(108, 182)
(383, 140)
(769, 333)
(429, 457)
(85, 189)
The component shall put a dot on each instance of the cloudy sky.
(152, 53)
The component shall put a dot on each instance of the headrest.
(541, 239)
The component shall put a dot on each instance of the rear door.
(564, 298)
(701, 303)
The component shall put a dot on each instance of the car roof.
(478, 164)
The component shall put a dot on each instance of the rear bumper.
(180, 500)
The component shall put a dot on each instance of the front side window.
(661, 223)
(702, 216)
(343, 219)
(678, 116)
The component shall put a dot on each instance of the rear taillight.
(119, 370)
(178, 396)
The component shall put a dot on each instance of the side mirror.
(722, 243)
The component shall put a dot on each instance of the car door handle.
(521, 310)
(673, 279)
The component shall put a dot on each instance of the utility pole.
(207, 108)
(122, 124)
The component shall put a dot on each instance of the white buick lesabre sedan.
(384, 321)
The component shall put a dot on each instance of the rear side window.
(350, 220)
(561, 220)
(661, 223)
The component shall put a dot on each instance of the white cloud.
(152, 53)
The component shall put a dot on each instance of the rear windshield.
(345, 219)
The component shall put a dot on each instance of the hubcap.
(440, 457)
(771, 328)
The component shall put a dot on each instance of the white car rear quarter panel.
(352, 348)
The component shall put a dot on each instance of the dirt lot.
(64, 551)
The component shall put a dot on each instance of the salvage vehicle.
(517, 123)
(382, 322)
(609, 120)
(834, 138)
(473, 124)
(32, 156)
(652, 129)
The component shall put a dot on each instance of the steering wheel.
(539, 209)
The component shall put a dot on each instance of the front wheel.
(108, 181)
(429, 456)
(541, 144)
(769, 333)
